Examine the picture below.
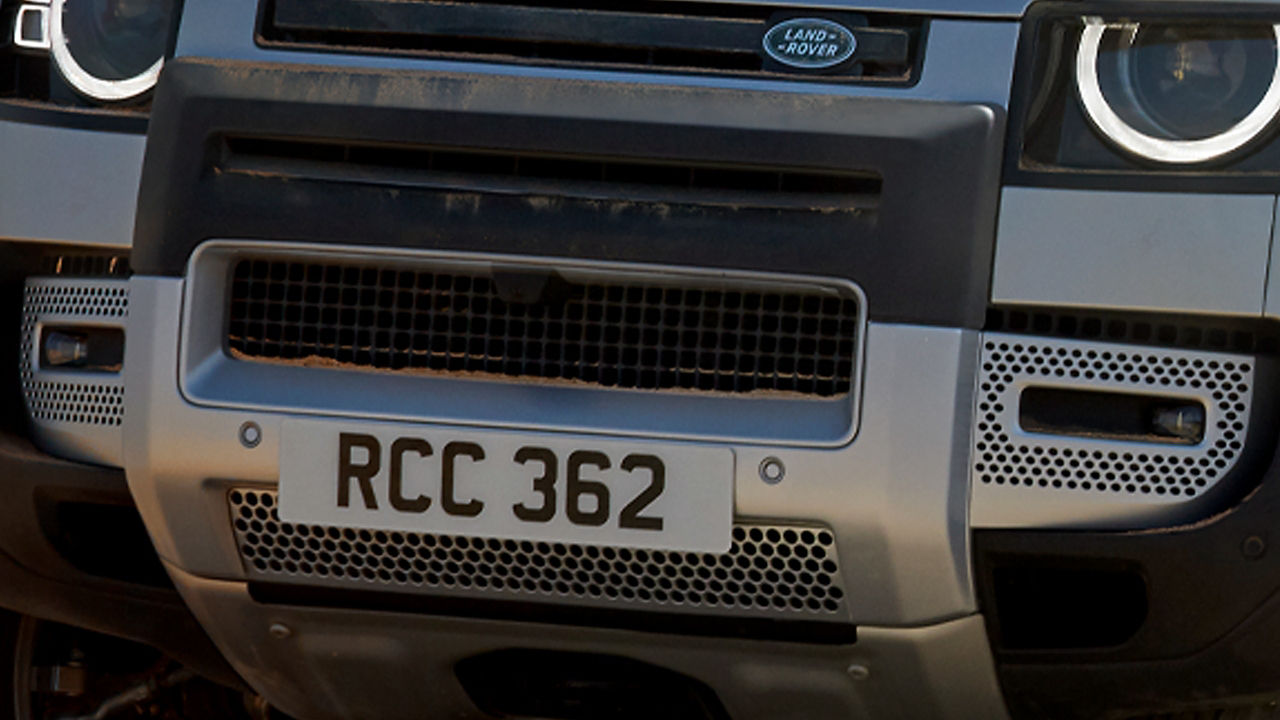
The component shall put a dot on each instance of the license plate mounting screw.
(772, 470)
(250, 434)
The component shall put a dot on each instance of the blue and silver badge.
(810, 43)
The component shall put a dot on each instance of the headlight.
(1154, 89)
(110, 50)
(1178, 93)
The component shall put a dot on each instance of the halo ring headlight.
(1151, 147)
(85, 82)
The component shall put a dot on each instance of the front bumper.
(901, 537)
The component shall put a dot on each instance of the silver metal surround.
(895, 497)
(1150, 147)
(96, 175)
(339, 664)
(777, 571)
(74, 414)
(1034, 479)
(209, 376)
(1152, 252)
(41, 11)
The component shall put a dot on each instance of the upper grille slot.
(633, 332)
(700, 37)
(494, 171)
(86, 264)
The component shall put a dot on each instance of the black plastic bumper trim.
(798, 631)
(921, 267)
(35, 579)
(1212, 612)
(35, 113)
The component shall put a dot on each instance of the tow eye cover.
(810, 43)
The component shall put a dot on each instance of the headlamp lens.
(1178, 93)
(1185, 82)
(116, 39)
(110, 49)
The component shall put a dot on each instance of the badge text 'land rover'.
(810, 43)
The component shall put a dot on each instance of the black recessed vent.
(1238, 335)
(107, 541)
(674, 36)
(1040, 606)
(533, 174)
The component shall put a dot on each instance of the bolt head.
(280, 631)
(1253, 547)
(859, 672)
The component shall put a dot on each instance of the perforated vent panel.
(1041, 478)
(73, 402)
(77, 298)
(779, 571)
(76, 415)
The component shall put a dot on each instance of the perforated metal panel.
(778, 571)
(1023, 478)
(74, 414)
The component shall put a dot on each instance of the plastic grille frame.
(475, 388)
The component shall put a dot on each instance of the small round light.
(64, 349)
(1179, 93)
(110, 50)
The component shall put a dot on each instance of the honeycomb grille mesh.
(76, 403)
(103, 299)
(1006, 456)
(625, 334)
(59, 399)
(771, 570)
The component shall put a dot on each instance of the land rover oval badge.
(810, 43)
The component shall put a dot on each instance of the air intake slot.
(576, 686)
(595, 178)
(1110, 415)
(699, 37)
(107, 541)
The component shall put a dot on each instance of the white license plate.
(507, 485)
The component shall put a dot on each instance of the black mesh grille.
(625, 334)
